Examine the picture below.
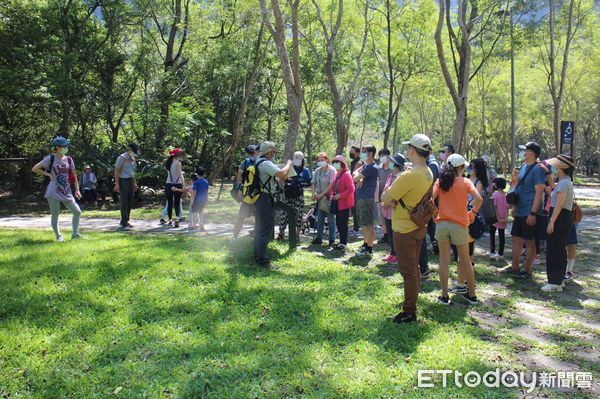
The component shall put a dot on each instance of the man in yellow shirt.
(410, 187)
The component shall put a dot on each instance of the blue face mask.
(364, 156)
(553, 169)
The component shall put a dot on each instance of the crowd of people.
(409, 197)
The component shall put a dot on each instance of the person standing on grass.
(453, 221)
(174, 180)
(561, 206)
(397, 162)
(293, 194)
(60, 169)
(246, 210)
(499, 198)
(355, 163)
(88, 185)
(125, 183)
(322, 184)
(405, 193)
(384, 172)
(264, 219)
(343, 200)
(434, 166)
(199, 198)
(528, 211)
(365, 178)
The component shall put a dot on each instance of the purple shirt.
(59, 187)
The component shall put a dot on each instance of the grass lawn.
(160, 316)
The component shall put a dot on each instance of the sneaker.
(392, 259)
(524, 275)
(444, 300)
(425, 276)
(123, 228)
(364, 251)
(404, 318)
(77, 237)
(569, 276)
(316, 241)
(471, 299)
(60, 238)
(499, 257)
(435, 247)
(129, 225)
(339, 247)
(552, 288)
(458, 289)
(537, 260)
(491, 255)
(510, 272)
(176, 224)
(170, 223)
(162, 221)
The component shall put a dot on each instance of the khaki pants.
(408, 248)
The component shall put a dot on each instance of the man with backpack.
(261, 186)
(245, 208)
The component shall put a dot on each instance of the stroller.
(309, 221)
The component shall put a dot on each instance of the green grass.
(155, 316)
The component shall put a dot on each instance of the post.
(513, 127)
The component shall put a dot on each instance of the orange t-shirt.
(453, 203)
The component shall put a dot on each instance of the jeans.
(264, 223)
(321, 225)
(556, 250)
(55, 211)
(341, 222)
(166, 210)
(173, 199)
(408, 247)
(126, 193)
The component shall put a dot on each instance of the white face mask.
(297, 162)
(320, 164)
(383, 159)
(337, 166)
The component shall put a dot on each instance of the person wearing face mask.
(397, 167)
(384, 172)
(264, 215)
(293, 193)
(355, 163)
(405, 193)
(342, 201)
(561, 207)
(125, 183)
(322, 184)
(60, 169)
(365, 178)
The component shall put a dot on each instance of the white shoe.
(552, 288)
(498, 257)
(60, 238)
(537, 260)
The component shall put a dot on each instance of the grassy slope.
(183, 317)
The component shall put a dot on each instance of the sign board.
(567, 134)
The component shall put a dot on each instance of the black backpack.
(293, 187)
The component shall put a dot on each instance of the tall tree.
(473, 17)
(290, 64)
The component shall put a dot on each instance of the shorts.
(524, 231)
(365, 212)
(246, 210)
(455, 233)
(572, 235)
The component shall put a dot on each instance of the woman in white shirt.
(174, 180)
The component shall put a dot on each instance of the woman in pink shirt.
(499, 198)
(343, 199)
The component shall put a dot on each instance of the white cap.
(456, 160)
(420, 141)
(298, 156)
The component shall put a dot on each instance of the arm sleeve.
(46, 162)
(269, 168)
(119, 163)
(539, 177)
(470, 187)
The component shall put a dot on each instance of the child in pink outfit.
(499, 198)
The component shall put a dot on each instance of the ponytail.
(169, 162)
(447, 176)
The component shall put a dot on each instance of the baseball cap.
(251, 148)
(533, 146)
(420, 141)
(60, 141)
(456, 160)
